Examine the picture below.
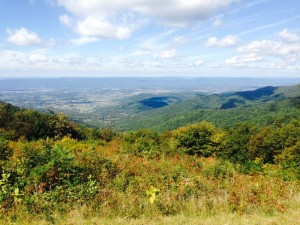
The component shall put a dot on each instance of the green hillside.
(261, 106)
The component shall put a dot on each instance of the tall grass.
(195, 213)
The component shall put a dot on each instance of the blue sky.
(190, 38)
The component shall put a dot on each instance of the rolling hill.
(261, 106)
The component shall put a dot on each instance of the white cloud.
(12, 56)
(131, 63)
(271, 48)
(83, 40)
(23, 37)
(38, 58)
(180, 40)
(70, 60)
(269, 53)
(117, 19)
(168, 10)
(227, 41)
(252, 58)
(97, 27)
(289, 36)
(282, 65)
(233, 60)
(241, 60)
(168, 54)
(210, 42)
(66, 20)
(25, 61)
(197, 63)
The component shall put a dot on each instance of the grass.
(83, 216)
(194, 213)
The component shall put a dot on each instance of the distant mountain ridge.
(212, 84)
(258, 93)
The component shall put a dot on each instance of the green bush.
(202, 139)
(5, 150)
(237, 143)
(47, 176)
(271, 141)
(142, 143)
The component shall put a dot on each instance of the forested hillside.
(260, 107)
(51, 166)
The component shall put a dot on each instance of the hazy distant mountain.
(191, 84)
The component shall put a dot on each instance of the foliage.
(45, 175)
(260, 107)
(57, 166)
(31, 124)
(143, 142)
(5, 150)
(271, 141)
(202, 139)
(152, 193)
(237, 143)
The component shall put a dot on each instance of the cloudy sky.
(241, 38)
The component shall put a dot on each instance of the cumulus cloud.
(98, 27)
(289, 36)
(168, 54)
(227, 41)
(23, 37)
(105, 19)
(287, 51)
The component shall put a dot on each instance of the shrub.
(142, 143)
(271, 141)
(237, 143)
(5, 150)
(202, 139)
